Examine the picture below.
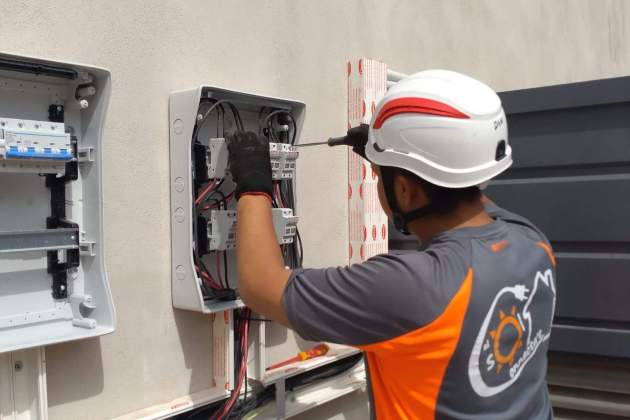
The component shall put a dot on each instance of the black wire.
(225, 269)
(324, 372)
(267, 394)
(301, 252)
(269, 124)
(235, 113)
(205, 288)
(297, 249)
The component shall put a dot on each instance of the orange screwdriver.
(317, 351)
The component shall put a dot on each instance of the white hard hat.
(447, 128)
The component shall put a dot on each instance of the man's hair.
(445, 200)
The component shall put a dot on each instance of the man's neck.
(466, 215)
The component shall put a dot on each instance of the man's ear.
(409, 193)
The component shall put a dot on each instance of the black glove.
(250, 163)
(358, 138)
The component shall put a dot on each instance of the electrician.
(457, 329)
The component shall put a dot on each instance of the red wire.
(205, 276)
(228, 198)
(279, 196)
(244, 334)
(206, 191)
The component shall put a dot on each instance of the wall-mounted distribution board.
(203, 209)
(53, 286)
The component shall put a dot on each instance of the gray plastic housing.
(29, 313)
(183, 110)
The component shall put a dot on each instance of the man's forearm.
(262, 276)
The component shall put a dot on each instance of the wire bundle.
(242, 333)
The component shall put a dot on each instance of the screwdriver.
(317, 351)
(349, 139)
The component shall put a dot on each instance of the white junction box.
(203, 208)
(53, 286)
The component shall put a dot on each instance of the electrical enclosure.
(203, 216)
(53, 285)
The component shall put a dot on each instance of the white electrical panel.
(203, 208)
(53, 286)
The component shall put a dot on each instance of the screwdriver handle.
(338, 141)
(319, 350)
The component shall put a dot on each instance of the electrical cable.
(243, 332)
(209, 188)
(237, 117)
(267, 121)
(225, 270)
(218, 263)
(206, 276)
(246, 408)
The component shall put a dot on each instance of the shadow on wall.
(85, 354)
(195, 337)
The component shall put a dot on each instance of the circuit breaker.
(53, 286)
(203, 208)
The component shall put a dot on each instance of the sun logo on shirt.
(510, 322)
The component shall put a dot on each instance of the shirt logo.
(517, 323)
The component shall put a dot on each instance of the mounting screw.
(18, 365)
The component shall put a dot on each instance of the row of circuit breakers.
(203, 208)
(52, 274)
(52, 270)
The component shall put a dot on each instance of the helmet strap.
(400, 219)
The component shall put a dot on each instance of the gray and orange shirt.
(458, 329)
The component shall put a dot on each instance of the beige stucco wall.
(290, 48)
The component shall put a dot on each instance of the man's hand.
(261, 272)
(358, 138)
(250, 164)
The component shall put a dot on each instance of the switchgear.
(203, 207)
(52, 273)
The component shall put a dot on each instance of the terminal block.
(283, 158)
(285, 224)
(34, 146)
(276, 154)
(287, 160)
(217, 158)
(222, 228)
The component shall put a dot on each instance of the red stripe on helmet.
(416, 106)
